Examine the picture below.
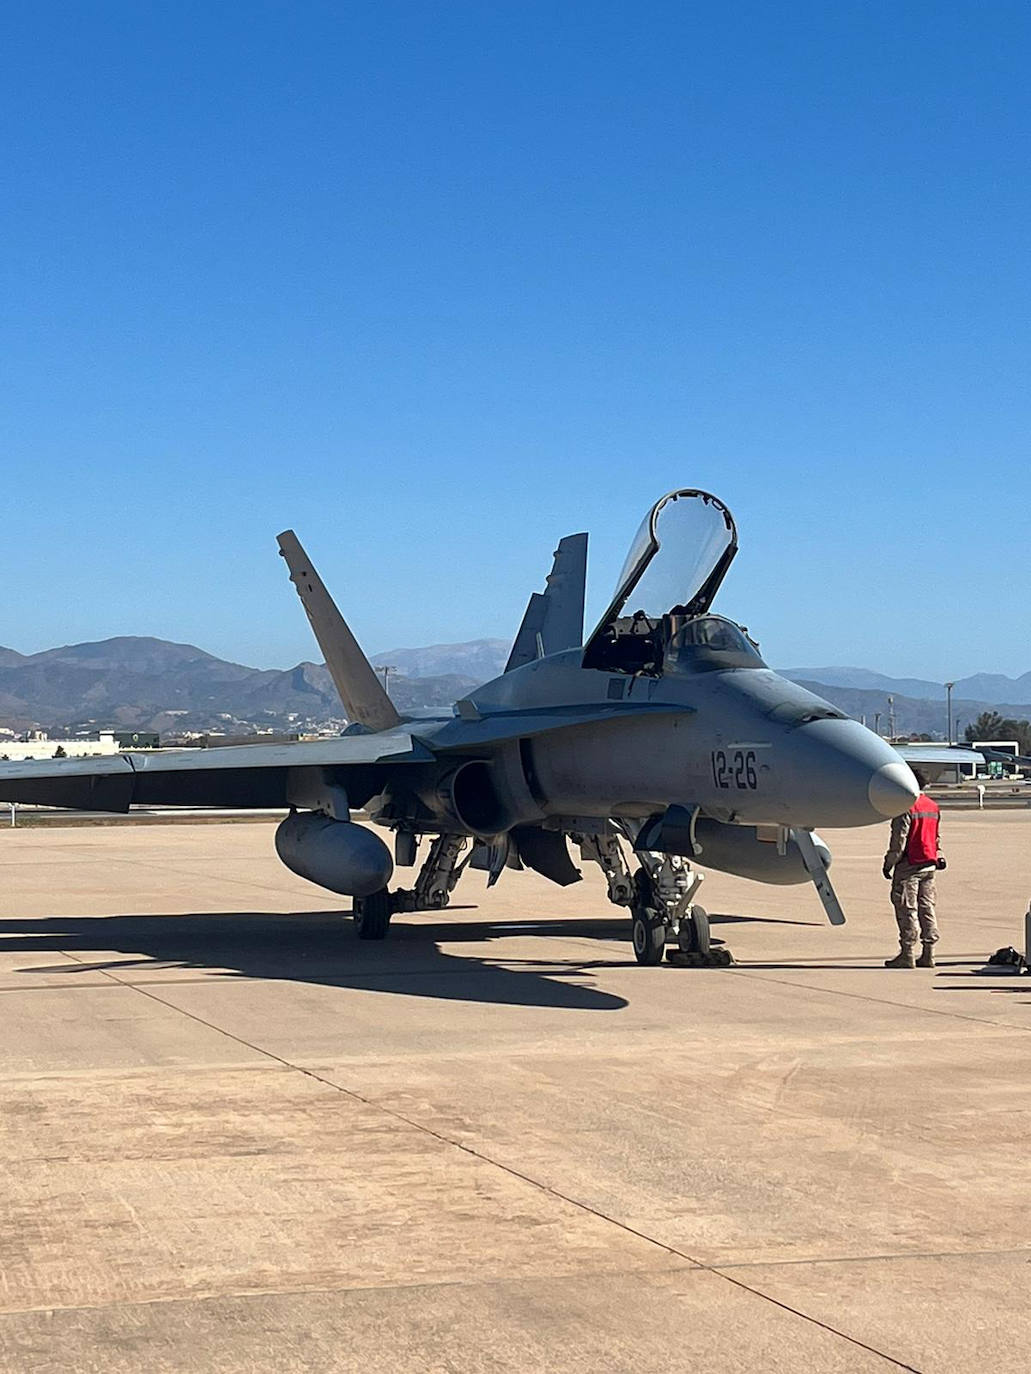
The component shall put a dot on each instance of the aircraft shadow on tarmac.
(320, 948)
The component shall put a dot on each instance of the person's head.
(921, 779)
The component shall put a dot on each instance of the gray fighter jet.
(660, 745)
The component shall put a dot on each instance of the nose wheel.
(648, 920)
(693, 932)
(662, 908)
(694, 947)
(648, 933)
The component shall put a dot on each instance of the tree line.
(990, 725)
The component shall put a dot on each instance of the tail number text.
(734, 768)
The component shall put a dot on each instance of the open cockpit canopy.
(672, 573)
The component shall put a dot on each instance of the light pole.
(386, 669)
(948, 709)
(877, 722)
(891, 717)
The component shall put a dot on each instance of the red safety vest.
(922, 841)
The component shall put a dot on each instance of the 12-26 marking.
(735, 768)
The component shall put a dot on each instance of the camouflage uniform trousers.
(913, 896)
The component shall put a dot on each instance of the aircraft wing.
(938, 754)
(244, 776)
(922, 755)
(256, 776)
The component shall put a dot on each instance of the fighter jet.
(659, 746)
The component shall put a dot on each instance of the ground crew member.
(914, 856)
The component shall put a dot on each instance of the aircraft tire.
(372, 915)
(699, 941)
(648, 934)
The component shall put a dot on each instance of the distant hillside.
(480, 659)
(862, 679)
(137, 654)
(993, 688)
(153, 684)
(913, 715)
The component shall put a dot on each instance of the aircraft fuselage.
(745, 745)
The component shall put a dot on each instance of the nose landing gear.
(694, 947)
(663, 905)
(660, 897)
(647, 922)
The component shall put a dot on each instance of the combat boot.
(904, 959)
(926, 959)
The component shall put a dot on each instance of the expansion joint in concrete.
(535, 1183)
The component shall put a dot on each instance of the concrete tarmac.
(237, 1139)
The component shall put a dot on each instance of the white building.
(39, 746)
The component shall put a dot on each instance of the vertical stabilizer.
(360, 689)
(554, 618)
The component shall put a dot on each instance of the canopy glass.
(674, 568)
(679, 556)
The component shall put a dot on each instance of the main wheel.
(649, 935)
(372, 915)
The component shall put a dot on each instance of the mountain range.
(479, 659)
(989, 687)
(152, 684)
(143, 683)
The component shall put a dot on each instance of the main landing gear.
(665, 920)
(372, 915)
(660, 896)
(440, 872)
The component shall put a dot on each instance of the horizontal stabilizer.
(554, 618)
(360, 689)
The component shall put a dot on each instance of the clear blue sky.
(438, 283)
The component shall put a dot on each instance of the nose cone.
(893, 789)
(845, 775)
(821, 769)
